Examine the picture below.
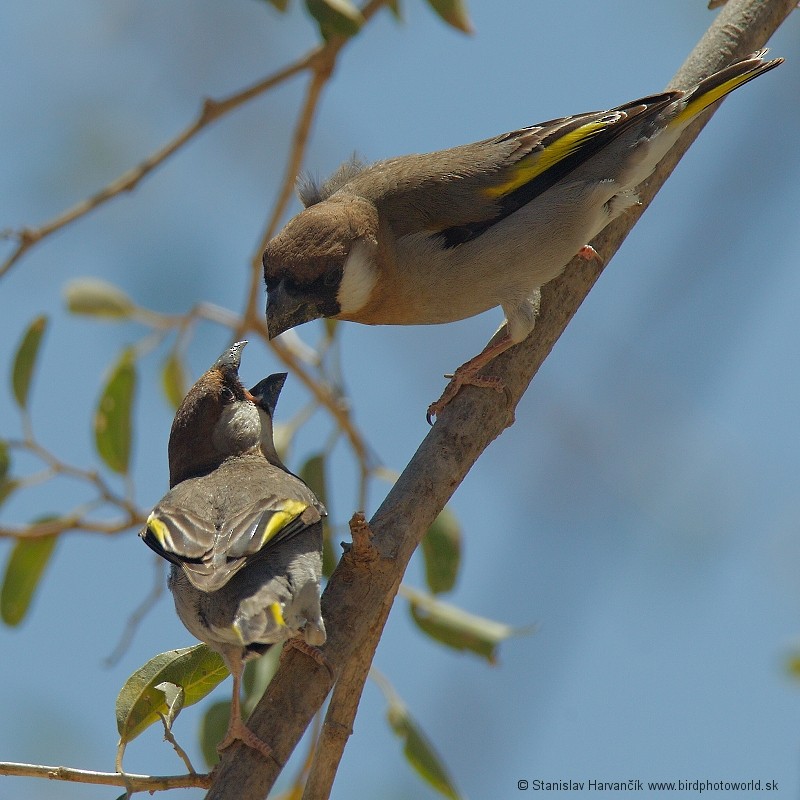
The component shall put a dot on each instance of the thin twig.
(139, 613)
(170, 737)
(136, 783)
(210, 112)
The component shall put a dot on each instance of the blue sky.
(643, 510)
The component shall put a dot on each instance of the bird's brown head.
(217, 419)
(321, 264)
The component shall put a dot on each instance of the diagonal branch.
(361, 590)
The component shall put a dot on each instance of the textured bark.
(362, 589)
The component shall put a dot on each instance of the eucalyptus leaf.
(98, 298)
(212, 728)
(7, 486)
(257, 675)
(196, 670)
(25, 360)
(5, 460)
(336, 17)
(112, 419)
(394, 7)
(441, 550)
(459, 629)
(313, 474)
(173, 379)
(24, 569)
(174, 696)
(454, 13)
(420, 752)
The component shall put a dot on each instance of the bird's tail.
(721, 83)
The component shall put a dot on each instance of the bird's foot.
(238, 730)
(466, 375)
(588, 253)
(299, 643)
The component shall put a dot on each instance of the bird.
(242, 533)
(439, 237)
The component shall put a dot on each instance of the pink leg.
(467, 375)
(299, 643)
(588, 253)
(236, 728)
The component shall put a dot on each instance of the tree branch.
(320, 61)
(360, 592)
(134, 783)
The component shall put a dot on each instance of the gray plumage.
(242, 533)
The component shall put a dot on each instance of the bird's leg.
(467, 375)
(236, 728)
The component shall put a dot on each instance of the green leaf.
(313, 474)
(112, 419)
(7, 485)
(25, 360)
(793, 665)
(173, 379)
(5, 460)
(257, 675)
(98, 298)
(419, 751)
(454, 13)
(174, 696)
(281, 5)
(330, 326)
(336, 17)
(196, 670)
(457, 628)
(441, 550)
(24, 569)
(212, 728)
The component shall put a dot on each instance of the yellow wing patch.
(289, 511)
(694, 107)
(540, 161)
(160, 530)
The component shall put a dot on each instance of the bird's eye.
(332, 277)
(227, 395)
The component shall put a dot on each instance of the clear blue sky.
(643, 511)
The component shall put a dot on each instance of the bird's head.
(217, 419)
(322, 264)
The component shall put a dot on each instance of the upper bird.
(243, 534)
(439, 237)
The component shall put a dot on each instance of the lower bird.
(243, 534)
(439, 237)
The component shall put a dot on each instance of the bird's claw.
(238, 730)
(299, 643)
(588, 253)
(465, 377)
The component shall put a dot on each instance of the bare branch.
(362, 588)
(210, 112)
(134, 783)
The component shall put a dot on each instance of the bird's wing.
(459, 193)
(211, 554)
